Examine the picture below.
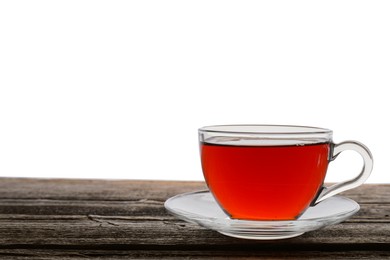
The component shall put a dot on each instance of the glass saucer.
(201, 208)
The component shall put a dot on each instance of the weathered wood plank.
(91, 229)
(82, 253)
(136, 190)
(149, 208)
(82, 207)
(93, 189)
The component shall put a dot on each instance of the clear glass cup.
(272, 172)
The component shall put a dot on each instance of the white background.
(118, 89)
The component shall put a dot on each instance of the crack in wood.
(100, 221)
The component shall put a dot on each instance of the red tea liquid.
(264, 182)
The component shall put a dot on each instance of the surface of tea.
(264, 182)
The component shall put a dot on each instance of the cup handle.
(353, 183)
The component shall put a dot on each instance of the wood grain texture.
(56, 219)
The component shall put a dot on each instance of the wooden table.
(55, 219)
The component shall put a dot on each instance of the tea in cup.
(272, 172)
